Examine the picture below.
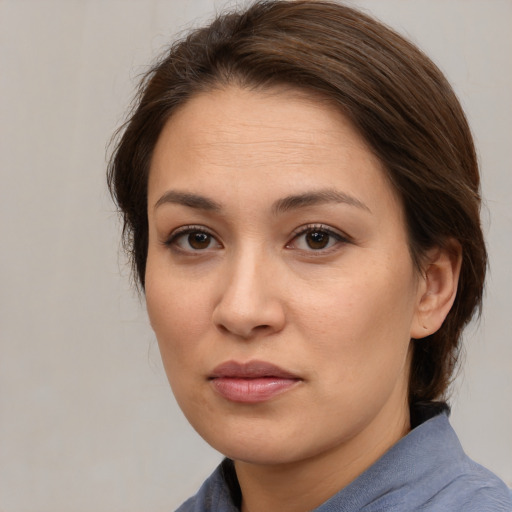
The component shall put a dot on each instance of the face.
(279, 281)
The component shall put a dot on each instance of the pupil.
(199, 240)
(317, 239)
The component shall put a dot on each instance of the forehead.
(246, 115)
(246, 138)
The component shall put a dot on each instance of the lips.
(251, 382)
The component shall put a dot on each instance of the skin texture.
(254, 286)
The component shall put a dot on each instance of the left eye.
(197, 240)
(192, 239)
(315, 239)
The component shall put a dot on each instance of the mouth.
(251, 382)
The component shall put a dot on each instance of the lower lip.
(251, 391)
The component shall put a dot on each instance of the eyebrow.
(291, 202)
(187, 199)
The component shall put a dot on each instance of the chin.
(256, 442)
(261, 453)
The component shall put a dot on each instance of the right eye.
(192, 239)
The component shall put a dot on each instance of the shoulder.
(474, 489)
(458, 482)
(468, 494)
(425, 471)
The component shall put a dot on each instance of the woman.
(301, 201)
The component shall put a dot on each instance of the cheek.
(177, 314)
(176, 303)
(179, 319)
(356, 302)
(174, 320)
(360, 321)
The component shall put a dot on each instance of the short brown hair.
(394, 95)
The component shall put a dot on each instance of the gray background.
(87, 421)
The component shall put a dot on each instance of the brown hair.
(395, 96)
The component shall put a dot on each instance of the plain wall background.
(87, 420)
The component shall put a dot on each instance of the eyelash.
(172, 240)
(188, 230)
(319, 228)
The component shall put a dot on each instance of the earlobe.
(437, 289)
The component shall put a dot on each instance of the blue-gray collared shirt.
(427, 470)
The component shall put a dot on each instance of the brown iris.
(199, 240)
(317, 239)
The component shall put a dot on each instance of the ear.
(437, 288)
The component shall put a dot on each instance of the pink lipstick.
(251, 382)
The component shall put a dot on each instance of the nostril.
(262, 327)
(244, 332)
(222, 328)
(248, 314)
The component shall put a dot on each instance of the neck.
(306, 484)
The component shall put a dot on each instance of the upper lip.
(250, 370)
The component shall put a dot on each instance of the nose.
(250, 304)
